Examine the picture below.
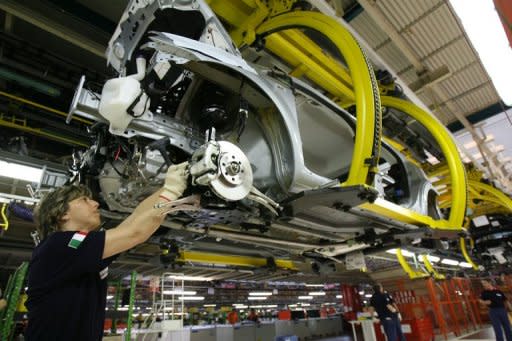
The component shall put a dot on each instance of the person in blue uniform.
(385, 306)
(67, 283)
(496, 300)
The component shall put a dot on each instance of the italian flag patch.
(77, 239)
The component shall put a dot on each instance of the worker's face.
(83, 214)
(486, 285)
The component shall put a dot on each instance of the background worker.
(67, 283)
(385, 306)
(253, 316)
(232, 316)
(495, 300)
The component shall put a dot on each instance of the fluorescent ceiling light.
(189, 278)
(431, 259)
(449, 262)
(361, 293)
(20, 172)
(240, 306)
(368, 295)
(315, 285)
(257, 298)
(260, 293)
(339, 296)
(405, 253)
(305, 297)
(485, 31)
(209, 305)
(263, 306)
(305, 304)
(465, 265)
(178, 292)
(316, 293)
(191, 298)
(109, 297)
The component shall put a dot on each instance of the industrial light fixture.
(257, 298)
(260, 293)
(209, 305)
(315, 285)
(191, 298)
(448, 261)
(20, 172)
(263, 306)
(485, 31)
(405, 253)
(189, 278)
(431, 259)
(316, 293)
(178, 292)
(305, 297)
(339, 296)
(465, 265)
(240, 306)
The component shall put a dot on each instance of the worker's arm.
(484, 302)
(392, 308)
(146, 219)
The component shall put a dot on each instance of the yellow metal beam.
(451, 154)
(491, 194)
(40, 132)
(367, 99)
(304, 60)
(5, 223)
(43, 107)
(413, 274)
(391, 210)
(234, 260)
(465, 253)
(431, 269)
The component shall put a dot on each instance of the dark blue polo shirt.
(496, 297)
(379, 302)
(67, 288)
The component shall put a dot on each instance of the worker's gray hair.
(54, 205)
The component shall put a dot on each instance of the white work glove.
(175, 182)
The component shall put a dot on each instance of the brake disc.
(223, 167)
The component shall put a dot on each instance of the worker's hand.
(399, 317)
(175, 181)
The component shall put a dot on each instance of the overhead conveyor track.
(455, 170)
